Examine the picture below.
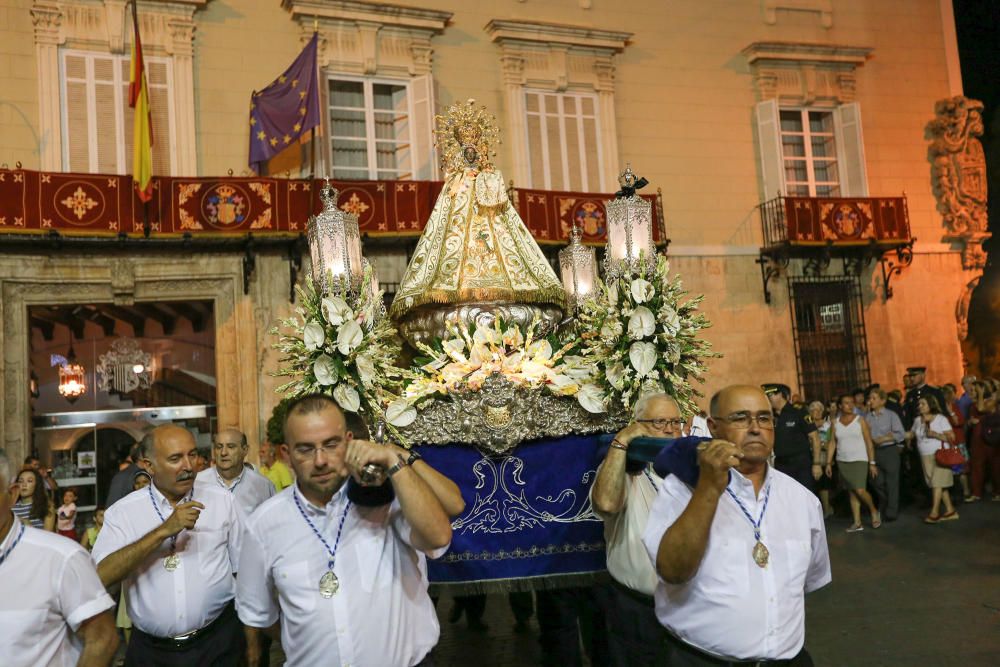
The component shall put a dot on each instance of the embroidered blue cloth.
(527, 514)
(286, 108)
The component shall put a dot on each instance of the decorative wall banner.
(846, 221)
(99, 205)
(527, 523)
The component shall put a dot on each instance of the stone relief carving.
(958, 174)
(123, 282)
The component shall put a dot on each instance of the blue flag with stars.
(287, 108)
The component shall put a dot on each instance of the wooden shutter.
(851, 149)
(77, 139)
(423, 155)
(105, 120)
(772, 170)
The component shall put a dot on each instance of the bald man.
(177, 546)
(736, 553)
(229, 453)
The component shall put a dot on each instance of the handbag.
(949, 456)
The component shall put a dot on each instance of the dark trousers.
(220, 645)
(887, 482)
(635, 637)
(984, 459)
(798, 468)
(565, 616)
(680, 654)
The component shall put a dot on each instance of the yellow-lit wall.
(684, 102)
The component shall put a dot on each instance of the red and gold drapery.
(99, 205)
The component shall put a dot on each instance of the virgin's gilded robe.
(475, 248)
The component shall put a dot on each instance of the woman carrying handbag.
(932, 431)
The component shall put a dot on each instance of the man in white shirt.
(53, 609)
(353, 590)
(249, 487)
(736, 553)
(622, 495)
(178, 548)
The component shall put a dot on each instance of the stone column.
(180, 45)
(47, 19)
(517, 121)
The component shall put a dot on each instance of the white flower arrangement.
(643, 337)
(341, 345)
(466, 358)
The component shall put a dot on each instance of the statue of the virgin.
(476, 259)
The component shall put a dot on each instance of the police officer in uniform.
(796, 439)
(919, 389)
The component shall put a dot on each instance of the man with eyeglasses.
(347, 582)
(249, 487)
(736, 552)
(622, 494)
(796, 438)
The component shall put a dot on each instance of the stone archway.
(28, 280)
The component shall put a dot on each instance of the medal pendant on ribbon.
(329, 584)
(760, 554)
(171, 562)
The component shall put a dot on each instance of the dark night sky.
(978, 26)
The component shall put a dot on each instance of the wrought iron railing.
(834, 221)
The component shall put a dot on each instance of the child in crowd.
(66, 517)
(90, 535)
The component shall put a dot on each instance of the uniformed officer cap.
(916, 369)
(777, 387)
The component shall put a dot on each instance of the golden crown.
(466, 125)
(225, 191)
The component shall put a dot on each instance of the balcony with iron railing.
(856, 230)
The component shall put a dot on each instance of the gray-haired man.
(887, 434)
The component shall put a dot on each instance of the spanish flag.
(142, 128)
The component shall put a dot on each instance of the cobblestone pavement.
(905, 595)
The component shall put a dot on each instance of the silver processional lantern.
(335, 246)
(578, 269)
(630, 249)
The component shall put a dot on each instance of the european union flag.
(289, 106)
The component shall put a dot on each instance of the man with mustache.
(177, 548)
(347, 582)
(736, 553)
(249, 487)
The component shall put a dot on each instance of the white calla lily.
(336, 311)
(591, 398)
(485, 335)
(670, 321)
(540, 350)
(350, 337)
(642, 356)
(313, 336)
(325, 370)
(366, 369)
(615, 374)
(347, 397)
(400, 413)
(641, 324)
(642, 290)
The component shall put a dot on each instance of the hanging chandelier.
(72, 377)
(578, 269)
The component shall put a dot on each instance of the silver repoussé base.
(426, 323)
(502, 415)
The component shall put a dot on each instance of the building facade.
(721, 105)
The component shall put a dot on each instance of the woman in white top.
(855, 454)
(931, 430)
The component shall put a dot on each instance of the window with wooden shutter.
(564, 147)
(97, 120)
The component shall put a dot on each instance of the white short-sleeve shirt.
(628, 562)
(249, 490)
(171, 604)
(925, 444)
(48, 588)
(732, 608)
(381, 615)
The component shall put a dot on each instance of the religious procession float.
(501, 374)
